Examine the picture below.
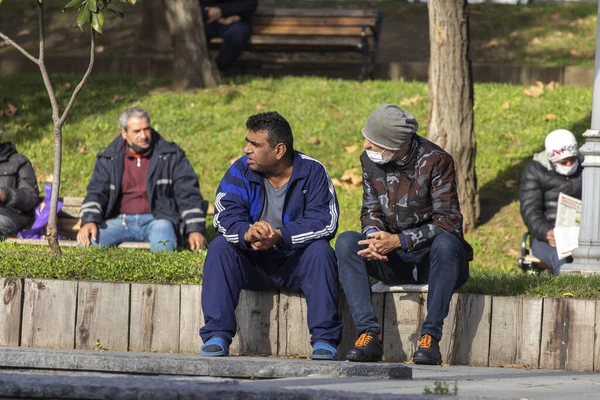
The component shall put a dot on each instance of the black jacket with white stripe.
(173, 191)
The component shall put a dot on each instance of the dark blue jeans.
(444, 266)
(548, 255)
(311, 270)
(235, 37)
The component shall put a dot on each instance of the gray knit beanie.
(390, 127)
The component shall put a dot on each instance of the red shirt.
(134, 188)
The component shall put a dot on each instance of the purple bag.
(42, 214)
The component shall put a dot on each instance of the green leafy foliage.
(92, 12)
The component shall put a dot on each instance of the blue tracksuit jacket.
(310, 210)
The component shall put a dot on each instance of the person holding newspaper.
(556, 169)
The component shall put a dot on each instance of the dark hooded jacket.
(538, 193)
(17, 179)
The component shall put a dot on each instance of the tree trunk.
(154, 33)
(193, 64)
(451, 98)
(52, 228)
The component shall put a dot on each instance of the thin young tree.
(88, 12)
(451, 98)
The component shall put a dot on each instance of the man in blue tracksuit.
(143, 189)
(275, 212)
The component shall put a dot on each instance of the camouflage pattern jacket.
(415, 196)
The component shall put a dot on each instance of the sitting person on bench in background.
(275, 212)
(143, 189)
(556, 169)
(410, 220)
(18, 190)
(229, 20)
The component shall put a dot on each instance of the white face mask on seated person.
(566, 170)
(383, 157)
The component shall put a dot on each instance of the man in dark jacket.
(18, 190)
(556, 169)
(411, 222)
(231, 21)
(275, 212)
(143, 189)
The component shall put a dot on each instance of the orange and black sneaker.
(367, 348)
(428, 352)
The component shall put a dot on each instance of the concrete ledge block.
(192, 365)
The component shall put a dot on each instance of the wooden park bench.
(317, 31)
(69, 223)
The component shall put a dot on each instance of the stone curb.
(193, 365)
(78, 385)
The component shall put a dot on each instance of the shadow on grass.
(504, 188)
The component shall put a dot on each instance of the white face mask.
(380, 158)
(566, 171)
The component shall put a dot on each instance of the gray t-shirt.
(273, 210)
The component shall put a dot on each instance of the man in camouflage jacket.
(411, 231)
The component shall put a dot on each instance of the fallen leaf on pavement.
(517, 365)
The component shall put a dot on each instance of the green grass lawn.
(325, 115)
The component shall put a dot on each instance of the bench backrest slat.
(308, 31)
(315, 12)
(312, 21)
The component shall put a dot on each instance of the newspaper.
(566, 228)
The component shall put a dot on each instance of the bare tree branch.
(42, 65)
(84, 79)
(16, 46)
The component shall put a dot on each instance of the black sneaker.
(367, 348)
(428, 352)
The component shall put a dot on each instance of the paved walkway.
(50, 373)
(472, 383)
